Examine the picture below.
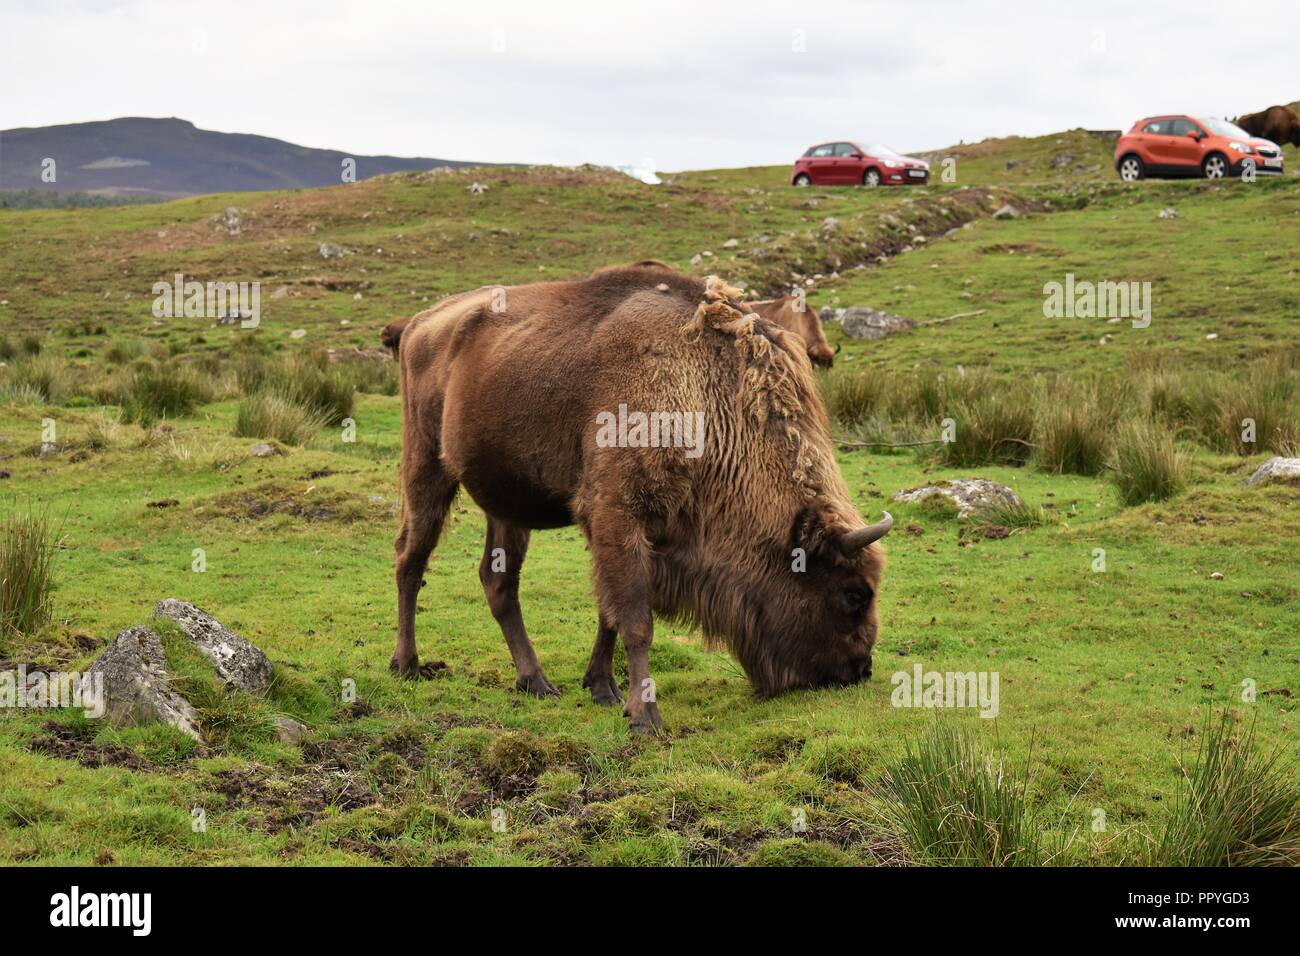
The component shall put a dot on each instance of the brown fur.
(1277, 123)
(793, 314)
(505, 404)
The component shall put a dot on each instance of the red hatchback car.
(848, 164)
(1192, 146)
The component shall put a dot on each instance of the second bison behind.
(755, 540)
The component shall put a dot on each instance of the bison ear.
(852, 542)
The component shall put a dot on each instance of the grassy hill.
(1107, 676)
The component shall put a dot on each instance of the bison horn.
(855, 541)
(838, 346)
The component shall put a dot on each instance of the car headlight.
(893, 165)
(1240, 147)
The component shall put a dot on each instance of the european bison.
(1277, 123)
(792, 314)
(681, 433)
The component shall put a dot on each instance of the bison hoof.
(647, 722)
(604, 689)
(414, 670)
(537, 685)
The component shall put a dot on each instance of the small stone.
(1169, 213)
(730, 244)
(298, 334)
(264, 450)
(1216, 576)
(289, 730)
(1008, 211)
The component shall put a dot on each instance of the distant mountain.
(166, 158)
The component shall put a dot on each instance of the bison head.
(819, 628)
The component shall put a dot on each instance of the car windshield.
(1223, 128)
(877, 149)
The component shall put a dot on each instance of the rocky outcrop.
(970, 495)
(864, 322)
(137, 686)
(1275, 469)
(239, 665)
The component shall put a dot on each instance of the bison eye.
(855, 600)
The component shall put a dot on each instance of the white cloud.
(687, 84)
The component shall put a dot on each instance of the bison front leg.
(599, 678)
(623, 583)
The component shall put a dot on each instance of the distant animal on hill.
(792, 314)
(682, 433)
(1277, 123)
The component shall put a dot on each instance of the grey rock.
(239, 665)
(970, 495)
(137, 687)
(863, 322)
(289, 730)
(332, 250)
(228, 220)
(1275, 469)
(1169, 213)
(1008, 211)
(730, 244)
(830, 224)
(263, 450)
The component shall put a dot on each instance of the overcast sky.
(686, 85)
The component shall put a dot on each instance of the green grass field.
(1107, 678)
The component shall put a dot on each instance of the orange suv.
(1192, 146)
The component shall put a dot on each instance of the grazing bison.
(685, 438)
(792, 314)
(1277, 123)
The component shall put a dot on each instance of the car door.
(1183, 150)
(1159, 141)
(848, 164)
(820, 170)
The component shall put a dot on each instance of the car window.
(845, 149)
(1162, 127)
(1182, 127)
(826, 150)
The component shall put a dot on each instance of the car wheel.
(871, 178)
(1215, 166)
(802, 180)
(1131, 168)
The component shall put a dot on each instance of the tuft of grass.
(1147, 464)
(991, 428)
(1238, 806)
(1017, 516)
(270, 414)
(953, 805)
(27, 543)
(1072, 433)
(853, 398)
(124, 351)
(44, 377)
(152, 392)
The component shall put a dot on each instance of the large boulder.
(1275, 469)
(970, 495)
(239, 665)
(864, 322)
(137, 687)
